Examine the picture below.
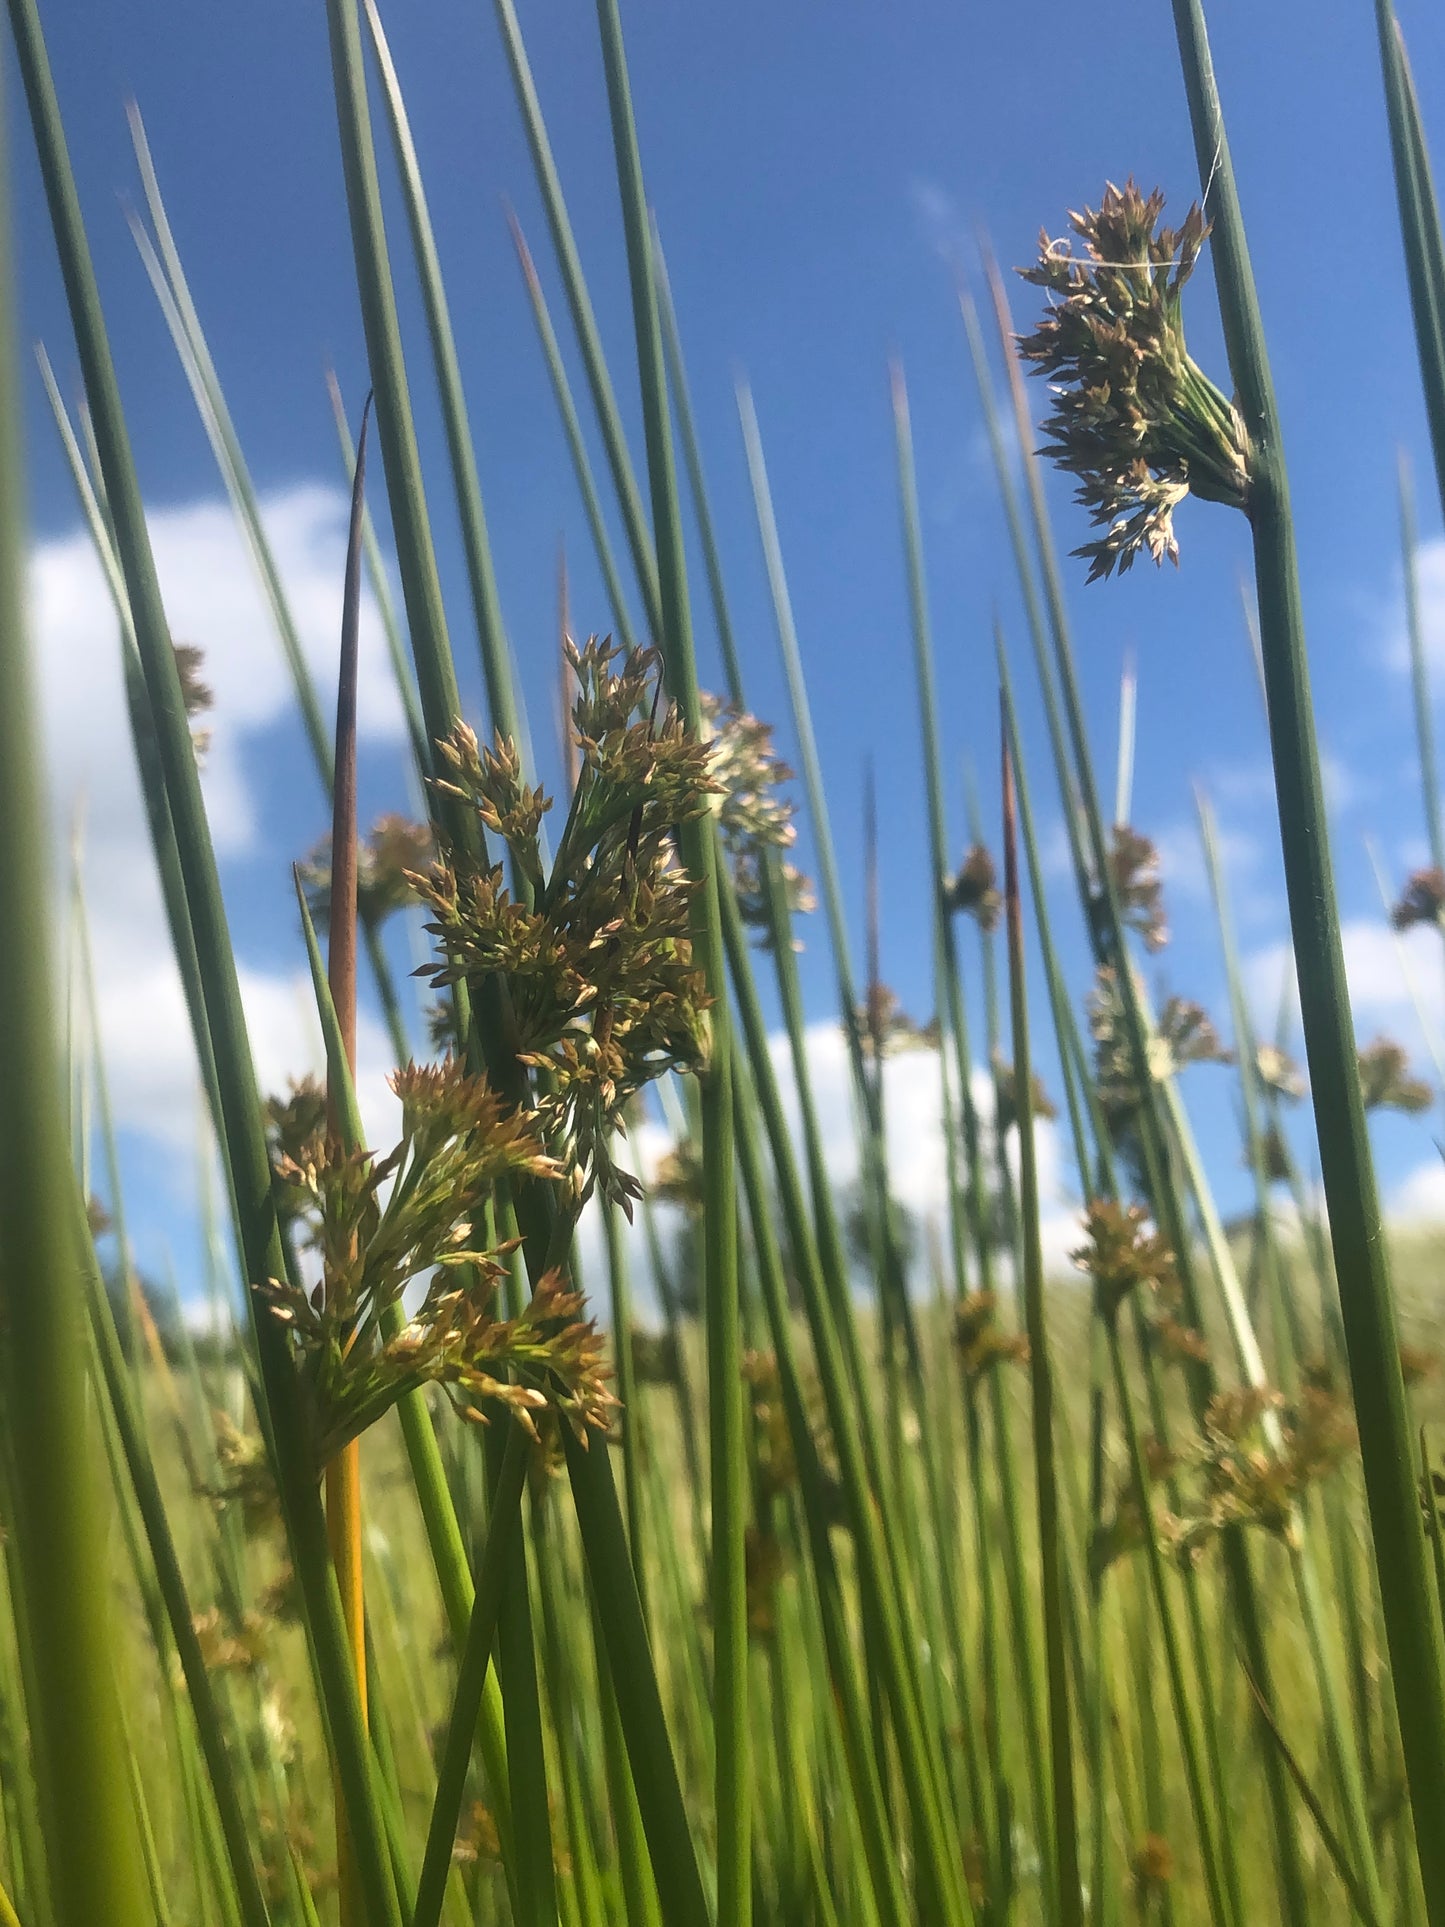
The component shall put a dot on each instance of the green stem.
(416, 558)
(1419, 225)
(1344, 1751)
(701, 859)
(402, 673)
(873, 1525)
(162, 263)
(534, 1879)
(503, 1521)
(1219, 1910)
(476, 546)
(1357, 1233)
(79, 1747)
(170, 1581)
(645, 561)
(863, 1763)
(1108, 938)
(957, 1025)
(239, 1100)
(620, 1279)
(576, 445)
(639, 1888)
(1064, 1817)
(1419, 673)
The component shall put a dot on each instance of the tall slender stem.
(1387, 1442)
(74, 1710)
(700, 854)
(1419, 670)
(239, 1102)
(1068, 1897)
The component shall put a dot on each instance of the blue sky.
(805, 167)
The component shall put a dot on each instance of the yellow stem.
(343, 1531)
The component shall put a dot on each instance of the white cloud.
(1419, 1198)
(212, 599)
(151, 1066)
(917, 1173)
(913, 1104)
(1376, 965)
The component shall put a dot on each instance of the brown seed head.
(1386, 1083)
(1421, 901)
(1122, 1255)
(973, 889)
(1134, 418)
